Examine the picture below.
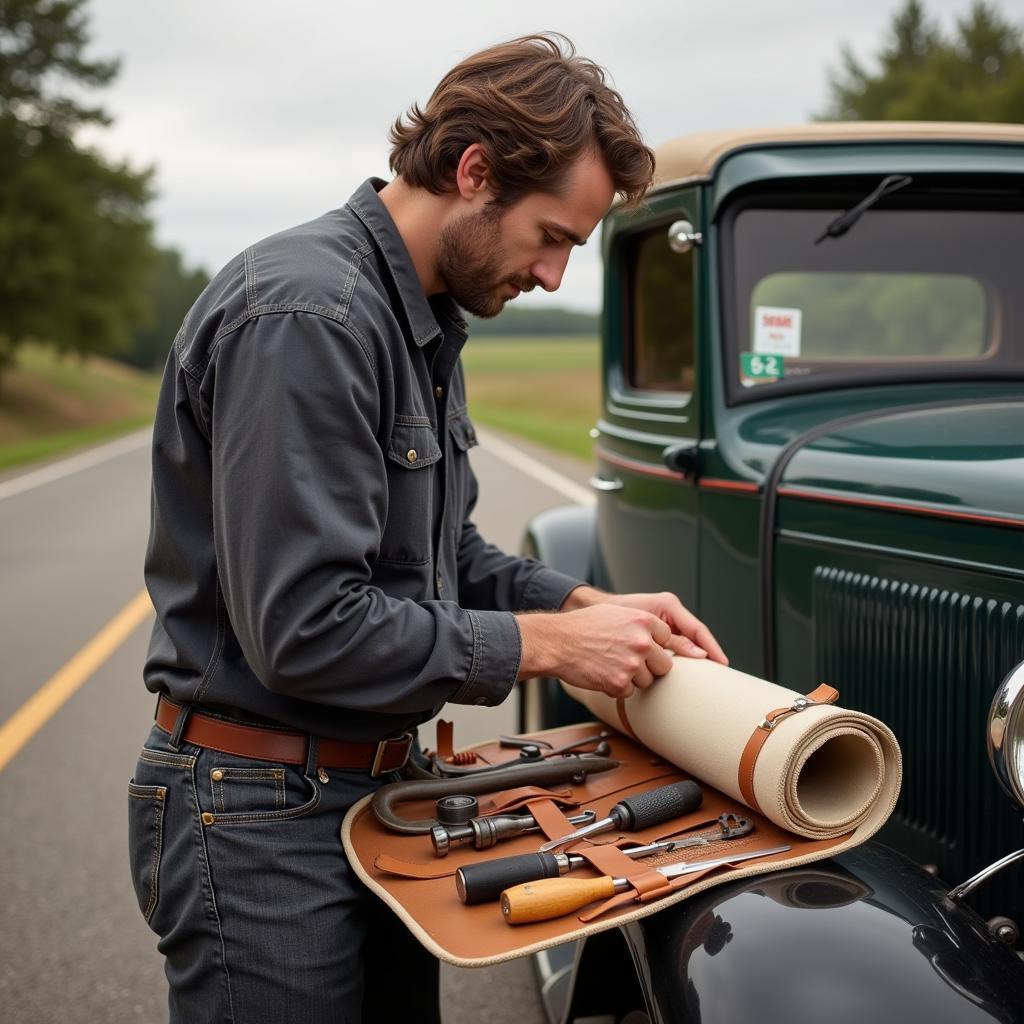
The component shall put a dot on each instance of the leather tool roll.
(812, 768)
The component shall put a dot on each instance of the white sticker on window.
(776, 331)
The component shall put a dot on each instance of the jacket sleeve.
(489, 578)
(293, 406)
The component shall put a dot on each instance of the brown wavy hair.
(534, 106)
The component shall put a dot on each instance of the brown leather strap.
(620, 710)
(553, 823)
(524, 796)
(445, 738)
(407, 869)
(824, 694)
(281, 746)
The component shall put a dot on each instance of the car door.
(649, 429)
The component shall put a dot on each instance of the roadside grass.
(546, 389)
(49, 404)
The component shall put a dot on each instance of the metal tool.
(484, 831)
(635, 812)
(528, 752)
(553, 897)
(525, 743)
(480, 883)
(456, 809)
(542, 773)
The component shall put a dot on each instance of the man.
(319, 584)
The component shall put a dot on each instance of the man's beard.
(470, 257)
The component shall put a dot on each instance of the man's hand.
(689, 637)
(606, 647)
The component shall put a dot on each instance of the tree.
(170, 291)
(974, 74)
(74, 235)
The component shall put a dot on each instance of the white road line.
(535, 468)
(75, 464)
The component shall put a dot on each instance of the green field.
(49, 405)
(546, 389)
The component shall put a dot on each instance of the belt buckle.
(382, 746)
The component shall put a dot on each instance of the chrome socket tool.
(487, 830)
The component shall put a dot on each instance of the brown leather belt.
(280, 745)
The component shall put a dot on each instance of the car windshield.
(922, 290)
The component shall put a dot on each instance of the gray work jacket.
(312, 557)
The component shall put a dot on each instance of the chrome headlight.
(1006, 734)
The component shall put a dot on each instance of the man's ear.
(473, 175)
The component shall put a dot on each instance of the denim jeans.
(260, 917)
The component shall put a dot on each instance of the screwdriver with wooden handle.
(554, 897)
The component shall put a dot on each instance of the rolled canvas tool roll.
(818, 770)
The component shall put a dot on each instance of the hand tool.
(528, 752)
(553, 897)
(543, 773)
(635, 812)
(486, 830)
(480, 883)
(456, 809)
(524, 742)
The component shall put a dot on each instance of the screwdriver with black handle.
(651, 807)
(481, 883)
(555, 897)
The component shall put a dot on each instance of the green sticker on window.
(759, 367)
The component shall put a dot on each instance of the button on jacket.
(312, 559)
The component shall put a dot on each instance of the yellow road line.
(48, 699)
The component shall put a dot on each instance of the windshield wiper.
(845, 221)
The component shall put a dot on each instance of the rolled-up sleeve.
(300, 500)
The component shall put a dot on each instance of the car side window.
(660, 327)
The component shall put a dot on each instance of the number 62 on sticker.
(760, 367)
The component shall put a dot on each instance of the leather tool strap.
(523, 796)
(445, 735)
(620, 710)
(824, 694)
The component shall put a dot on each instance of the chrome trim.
(682, 237)
(958, 892)
(600, 484)
(1007, 700)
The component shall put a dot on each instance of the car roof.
(695, 156)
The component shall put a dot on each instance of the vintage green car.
(812, 431)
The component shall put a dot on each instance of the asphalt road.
(73, 946)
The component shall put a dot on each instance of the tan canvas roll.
(820, 772)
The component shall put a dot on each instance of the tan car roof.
(695, 156)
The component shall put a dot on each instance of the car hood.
(966, 456)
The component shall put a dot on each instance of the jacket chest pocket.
(412, 457)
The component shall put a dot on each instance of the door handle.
(683, 458)
(599, 483)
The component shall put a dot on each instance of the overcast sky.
(258, 115)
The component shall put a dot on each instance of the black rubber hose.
(543, 773)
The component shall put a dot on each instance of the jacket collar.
(419, 311)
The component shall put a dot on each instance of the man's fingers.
(642, 678)
(661, 631)
(685, 647)
(659, 661)
(706, 640)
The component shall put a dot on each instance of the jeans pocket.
(245, 790)
(145, 842)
